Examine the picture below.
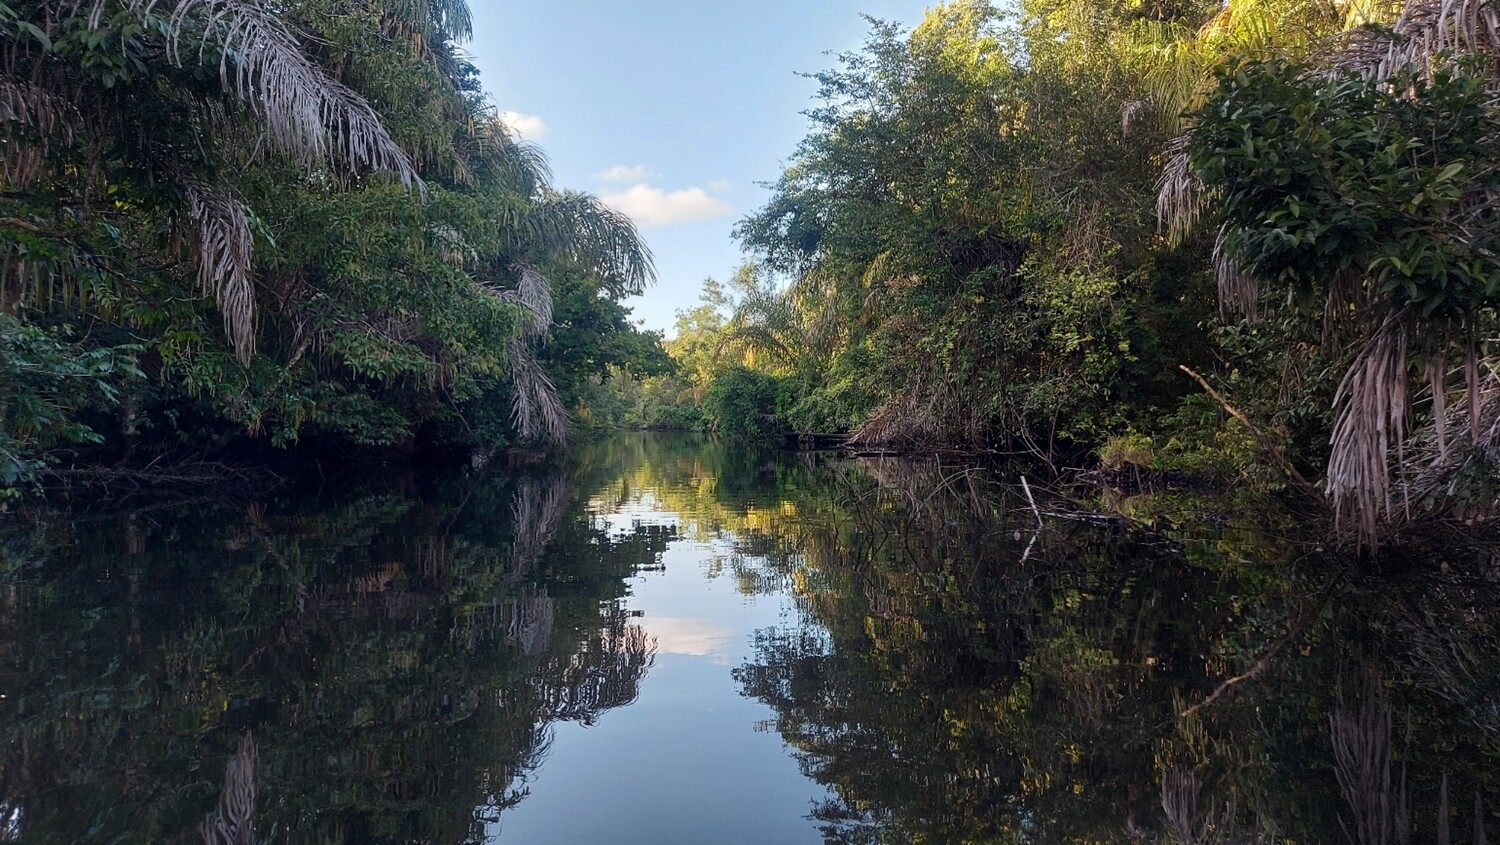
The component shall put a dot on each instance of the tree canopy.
(293, 220)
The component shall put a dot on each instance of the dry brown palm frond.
(1239, 291)
(1347, 300)
(535, 294)
(1179, 193)
(50, 114)
(904, 420)
(225, 250)
(1437, 380)
(537, 409)
(1425, 32)
(45, 118)
(1371, 408)
(1451, 446)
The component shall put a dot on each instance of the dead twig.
(1265, 661)
(1267, 442)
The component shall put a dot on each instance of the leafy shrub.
(742, 401)
(48, 382)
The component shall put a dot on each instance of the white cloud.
(651, 206)
(529, 126)
(622, 173)
(719, 186)
(693, 637)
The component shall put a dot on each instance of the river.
(683, 640)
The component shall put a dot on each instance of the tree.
(1364, 187)
(967, 207)
(378, 271)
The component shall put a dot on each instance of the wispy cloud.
(529, 126)
(693, 637)
(625, 173)
(719, 186)
(651, 206)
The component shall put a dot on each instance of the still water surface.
(678, 640)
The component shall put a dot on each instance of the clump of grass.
(1127, 450)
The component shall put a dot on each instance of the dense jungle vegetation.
(1251, 240)
(228, 223)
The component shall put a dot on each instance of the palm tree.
(561, 229)
(1375, 395)
(149, 92)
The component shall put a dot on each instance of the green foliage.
(1322, 177)
(49, 381)
(740, 400)
(967, 210)
(394, 268)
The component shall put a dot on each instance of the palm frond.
(1442, 459)
(581, 228)
(431, 20)
(47, 117)
(1175, 67)
(1370, 420)
(225, 249)
(1239, 291)
(1179, 193)
(537, 409)
(494, 152)
(534, 293)
(47, 113)
(1426, 31)
(306, 114)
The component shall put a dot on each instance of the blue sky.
(671, 110)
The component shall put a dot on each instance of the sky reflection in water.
(691, 760)
(681, 641)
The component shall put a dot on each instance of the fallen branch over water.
(195, 473)
(1266, 441)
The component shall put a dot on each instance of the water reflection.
(398, 660)
(956, 676)
(396, 667)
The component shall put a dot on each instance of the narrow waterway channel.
(682, 640)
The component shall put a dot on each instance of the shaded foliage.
(377, 269)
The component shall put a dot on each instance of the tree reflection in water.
(957, 676)
(953, 673)
(398, 660)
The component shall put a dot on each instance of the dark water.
(682, 641)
